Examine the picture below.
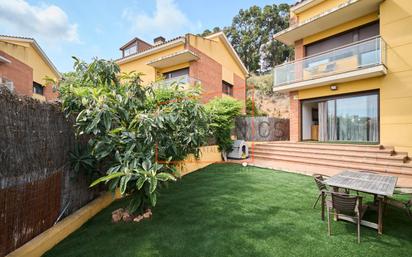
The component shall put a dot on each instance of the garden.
(231, 210)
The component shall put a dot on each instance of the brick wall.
(294, 117)
(209, 72)
(49, 94)
(18, 72)
(294, 107)
(22, 76)
(239, 90)
(299, 49)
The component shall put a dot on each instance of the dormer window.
(130, 50)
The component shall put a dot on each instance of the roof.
(150, 49)
(132, 41)
(330, 18)
(233, 52)
(181, 40)
(303, 5)
(37, 47)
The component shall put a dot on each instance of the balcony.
(173, 59)
(184, 81)
(359, 60)
(345, 12)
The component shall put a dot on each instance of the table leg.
(323, 205)
(380, 209)
(335, 213)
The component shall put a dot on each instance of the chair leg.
(317, 200)
(358, 230)
(329, 226)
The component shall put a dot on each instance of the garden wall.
(36, 183)
(262, 128)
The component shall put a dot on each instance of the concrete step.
(357, 157)
(335, 147)
(387, 169)
(369, 154)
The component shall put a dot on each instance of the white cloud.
(166, 20)
(46, 22)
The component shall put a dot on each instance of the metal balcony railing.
(358, 55)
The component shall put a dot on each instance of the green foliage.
(252, 109)
(251, 34)
(261, 83)
(223, 111)
(135, 132)
(208, 32)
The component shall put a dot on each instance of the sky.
(98, 28)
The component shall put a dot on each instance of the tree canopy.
(251, 34)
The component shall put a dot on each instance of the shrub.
(252, 109)
(136, 132)
(223, 111)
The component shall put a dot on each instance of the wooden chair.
(349, 207)
(406, 205)
(320, 183)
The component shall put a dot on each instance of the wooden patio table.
(378, 185)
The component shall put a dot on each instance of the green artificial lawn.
(230, 210)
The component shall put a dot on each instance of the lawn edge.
(52, 236)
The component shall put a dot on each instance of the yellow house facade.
(26, 65)
(208, 61)
(351, 80)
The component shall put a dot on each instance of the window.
(227, 88)
(37, 88)
(176, 73)
(130, 50)
(357, 34)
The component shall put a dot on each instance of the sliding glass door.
(349, 118)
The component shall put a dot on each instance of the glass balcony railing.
(184, 81)
(359, 55)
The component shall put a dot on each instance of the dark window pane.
(176, 73)
(361, 33)
(37, 88)
(227, 88)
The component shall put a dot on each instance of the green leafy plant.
(136, 134)
(252, 109)
(223, 111)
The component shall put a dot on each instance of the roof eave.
(150, 51)
(38, 49)
(231, 49)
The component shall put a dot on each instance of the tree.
(251, 34)
(222, 112)
(208, 32)
(134, 132)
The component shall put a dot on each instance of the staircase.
(330, 159)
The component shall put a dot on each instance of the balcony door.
(350, 118)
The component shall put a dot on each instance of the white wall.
(307, 119)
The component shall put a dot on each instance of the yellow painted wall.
(395, 87)
(209, 155)
(318, 9)
(27, 54)
(140, 65)
(216, 49)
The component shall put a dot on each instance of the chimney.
(159, 40)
